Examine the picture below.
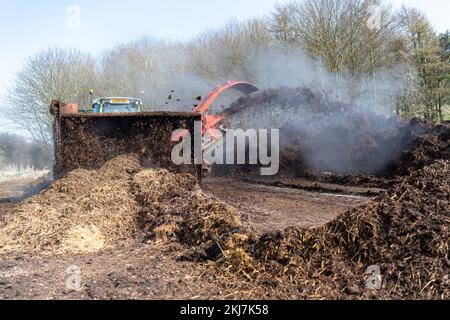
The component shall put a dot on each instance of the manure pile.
(404, 232)
(433, 144)
(84, 212)
(174, 208)
(321, 134)
(91, 210)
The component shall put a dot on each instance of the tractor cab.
(117, 105)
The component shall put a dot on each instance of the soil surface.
(270, 208)
(141, 272)
(17, 187)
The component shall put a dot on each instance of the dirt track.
(268, 208)
(141, 272)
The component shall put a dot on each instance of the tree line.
(348, 39)
(17, 153)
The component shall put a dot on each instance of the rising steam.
(334, 122)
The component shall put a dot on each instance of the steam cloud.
(333, 121)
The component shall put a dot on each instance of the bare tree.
(282, 25)
(18, 152)
(146, 67)
(52, 74)
(229, 51)
(339, 33)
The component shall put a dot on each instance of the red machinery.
(212, 123)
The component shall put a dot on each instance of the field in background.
(10, 172)
(14, 182)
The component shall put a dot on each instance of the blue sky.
(28, 26)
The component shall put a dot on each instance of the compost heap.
(322, 137)
(91, 210)
(404, 232)
(84, 212)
